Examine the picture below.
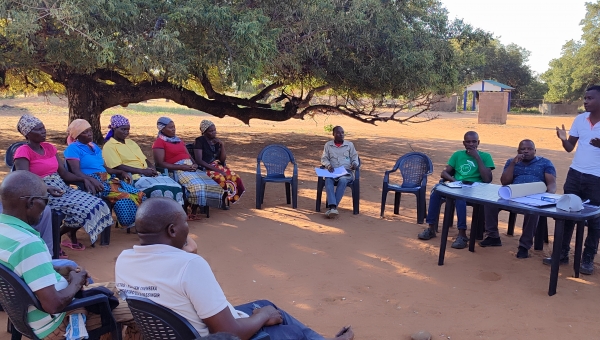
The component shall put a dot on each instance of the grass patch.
(155, 108)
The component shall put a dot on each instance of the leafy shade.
(577, 68)
(196, 52)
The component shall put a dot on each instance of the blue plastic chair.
(414, 168)
(16, 297)
(354, 185)
(158, 322)
(276, 158)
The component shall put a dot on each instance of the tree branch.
(262, 94)
(212, 94)
(115, 77)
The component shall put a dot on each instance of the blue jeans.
(289, 329)
(334, 195)
(433, 213)
(587, 187)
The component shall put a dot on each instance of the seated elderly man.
(336, 153)
(24, 198)
(525, 167)
(187, 285)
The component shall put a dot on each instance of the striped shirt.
(25, 253)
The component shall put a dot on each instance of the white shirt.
(587, 156)
(175, 279)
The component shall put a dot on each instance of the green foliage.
(354, 48)
(506, 64)
(577, 67)
(328, 128)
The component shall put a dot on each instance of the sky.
(540, 26)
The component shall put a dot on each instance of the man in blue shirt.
(526, 167)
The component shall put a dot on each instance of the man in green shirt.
(469, 166)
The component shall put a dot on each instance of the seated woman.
(85, 160)
(81, 209)
(170, 152)
(210, 154)
(121, 153)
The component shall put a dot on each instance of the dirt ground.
(362, 270)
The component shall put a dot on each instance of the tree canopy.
(198, 52)
(577, 67)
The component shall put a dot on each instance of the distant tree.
(577, 67)
(506, 64)
(195, 52)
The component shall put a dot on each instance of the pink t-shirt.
(41, 165)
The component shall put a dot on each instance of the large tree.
(195, 52)
(577, 67)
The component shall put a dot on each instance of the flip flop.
(194, 217)
(62, 255)
(74, 246)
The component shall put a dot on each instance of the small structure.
(559, 109)
(485, 86)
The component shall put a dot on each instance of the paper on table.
(536, 202)
(459, 184)
(520, 190)
(337, 172)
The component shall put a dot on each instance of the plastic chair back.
(414, 167)
(15, 298)
(276, 159)
(157, 322)
(10, 154)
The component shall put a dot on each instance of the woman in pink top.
(81, 209)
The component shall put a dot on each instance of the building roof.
(488, 86)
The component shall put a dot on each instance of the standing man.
(469, 165)
(526, 167)
(583, 178)
(336, 153)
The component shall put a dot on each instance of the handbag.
(113, 301)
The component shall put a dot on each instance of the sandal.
(194, 217)
(62, 255)
(74, 246)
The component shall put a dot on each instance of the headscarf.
(160, 124)
(27, 123)
(115, 122)
(76, 128)
(205, 124)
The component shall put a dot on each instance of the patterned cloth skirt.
(80, 208)
(231, 182)
(124, 197)
(160, 186)
(202, 189)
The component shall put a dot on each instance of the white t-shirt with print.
(175, 279)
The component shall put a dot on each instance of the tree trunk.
(85, 99)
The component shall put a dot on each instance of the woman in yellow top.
(121, 153)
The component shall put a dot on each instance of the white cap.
(569, 202)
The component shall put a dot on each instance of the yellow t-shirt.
(116, 153)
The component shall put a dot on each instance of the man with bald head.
(185, 283)
(469, 166)
(525, 167)
(24, 197)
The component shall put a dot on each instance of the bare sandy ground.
(361, 270)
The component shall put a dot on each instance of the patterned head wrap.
(115, 122)
(76, 128)
(27, 123)
(205, 124)
(160, 124)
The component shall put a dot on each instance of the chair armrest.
(87, 301)
(386, 176)
(262, 335)
(164, 171)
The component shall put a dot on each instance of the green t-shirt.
(465, 166)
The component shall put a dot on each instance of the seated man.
(24, 198)
(187, 285)
(337, 153)
(526, 167)
(470, 165)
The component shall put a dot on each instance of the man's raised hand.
(561, 133)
